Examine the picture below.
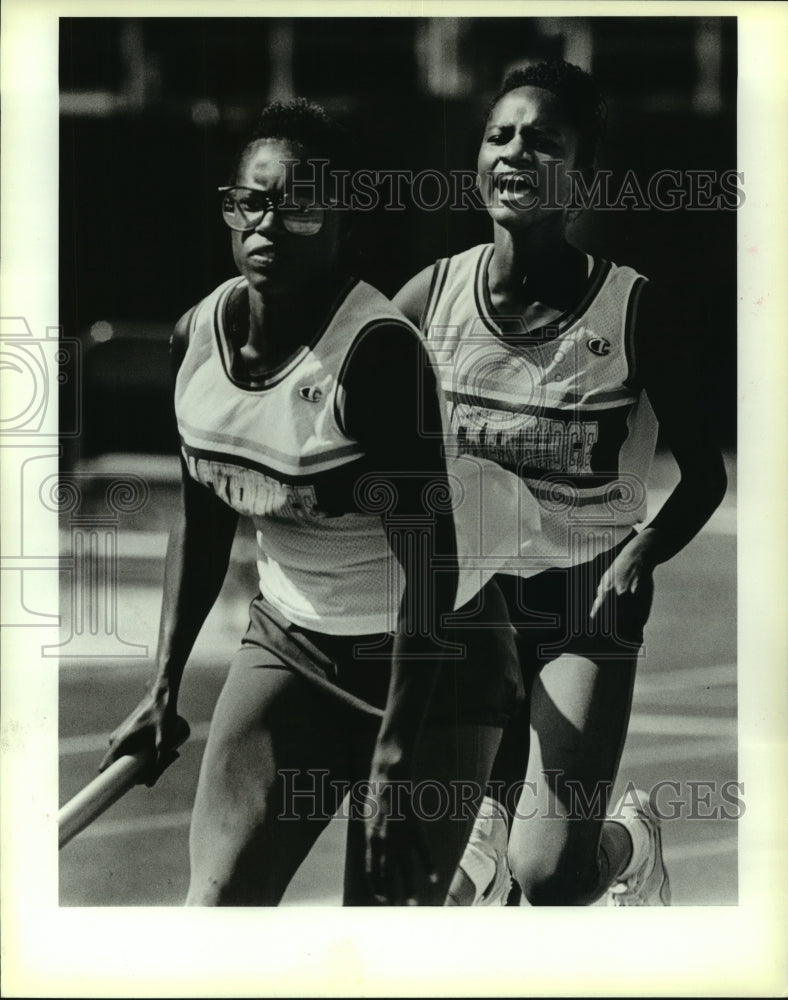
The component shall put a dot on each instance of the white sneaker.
(644, 882)
(484, 861)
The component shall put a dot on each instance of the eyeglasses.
(244, 208)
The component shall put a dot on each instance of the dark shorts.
(479, 680)
(551, 613)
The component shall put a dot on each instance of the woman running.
(553, 365)
(306, 402)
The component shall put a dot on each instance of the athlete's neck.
(538, 266)
(279, 324)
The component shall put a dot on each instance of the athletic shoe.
(644, 882)
(484, 861)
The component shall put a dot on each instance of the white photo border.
(708, 951)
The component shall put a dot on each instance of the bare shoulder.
(181, 329)
(179, 340)
(412, 298)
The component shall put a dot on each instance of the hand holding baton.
(113, 783)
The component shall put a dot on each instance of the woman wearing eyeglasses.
(304, 401)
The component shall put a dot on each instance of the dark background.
(153, 111)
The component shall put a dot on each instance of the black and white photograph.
(384, 489)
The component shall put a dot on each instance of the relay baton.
(111, 785)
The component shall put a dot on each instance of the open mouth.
(516, 182)
(262, 256)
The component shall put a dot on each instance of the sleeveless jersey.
(556, 408)
(276, 450)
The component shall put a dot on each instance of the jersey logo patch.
(311, 393)
(598, 345)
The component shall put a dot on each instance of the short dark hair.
(304, 124)
(577, 92)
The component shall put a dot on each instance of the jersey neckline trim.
(600, 270)
(227, 352)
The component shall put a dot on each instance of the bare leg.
(251, 829)
(579, 717)
(451, 769)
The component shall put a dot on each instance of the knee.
(559, 881)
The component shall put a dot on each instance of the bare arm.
(666, 360)
(198, 554)
(393, 408)
(412, 298)
(667, 377)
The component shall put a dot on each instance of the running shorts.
(479, 683)
(551, 613)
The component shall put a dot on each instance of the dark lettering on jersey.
(254, 493)
(536, 442)
(581, 443)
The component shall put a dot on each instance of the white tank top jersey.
(557, 408)
(276, 450)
